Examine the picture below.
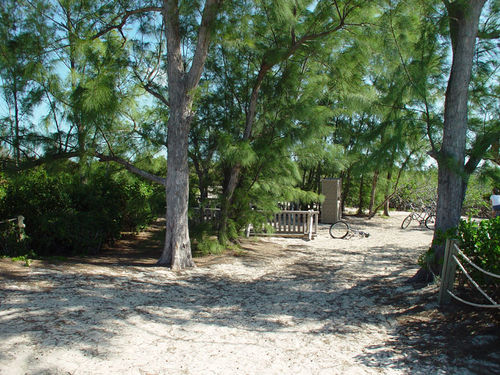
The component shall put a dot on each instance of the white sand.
(302, 307)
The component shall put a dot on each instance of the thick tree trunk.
(177, 249)
(464, 19)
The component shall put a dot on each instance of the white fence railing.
(289, 223)
(284, 223)
(451, 261)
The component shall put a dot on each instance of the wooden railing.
(284, 223)
(19, 227)
(289, 223)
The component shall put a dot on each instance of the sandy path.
(282, 306)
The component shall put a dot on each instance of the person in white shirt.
(495, 202)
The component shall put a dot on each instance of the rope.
(496, 306)
(472, 281)
(472, 264)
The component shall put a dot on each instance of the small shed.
(331, 210)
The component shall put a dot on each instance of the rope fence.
(451, 261)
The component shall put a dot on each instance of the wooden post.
(21, 226)
(310, 224)
(447, 273)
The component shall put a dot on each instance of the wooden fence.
(450, 264)
(18, 231)
(286, 223)
(289, 223)
(20, 222)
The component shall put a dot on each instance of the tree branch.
(489, 35)
(149, 88)
(210, 12)
(124, 19)
(31, 163)
(131, 168)
(479, 149)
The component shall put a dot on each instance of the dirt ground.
(277, 306)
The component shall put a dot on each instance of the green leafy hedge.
(65, 215)
(480, 241)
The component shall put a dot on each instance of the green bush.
(481, 243)
(65, 215)
(419, 189)
(477, 198)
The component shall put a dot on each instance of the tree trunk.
(251, 112)
(372, 194)
(177, 251)
(464, 19)
(17, 149)
(236, 168)
(346, 188)
(386, 195)
(361, 197)
(232, 182)
(317, 187)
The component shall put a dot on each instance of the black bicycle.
(341, 229)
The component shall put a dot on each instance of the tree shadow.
(86, 306)
(428, 337)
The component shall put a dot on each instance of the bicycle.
(341, 229)
(425, 217)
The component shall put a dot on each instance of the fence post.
(447, 273)
(310, 224)
(21, 226)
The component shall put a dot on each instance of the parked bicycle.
(342, 229)
(425, 217)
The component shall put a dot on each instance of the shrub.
(207, 246)
(65, 216)
(481, 243)
(477, 198)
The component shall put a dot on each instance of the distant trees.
(21, 65)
